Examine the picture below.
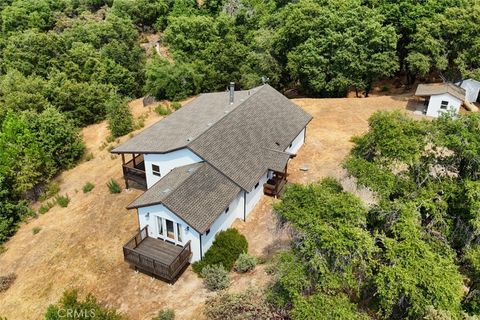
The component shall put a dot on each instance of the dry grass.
(81, 246)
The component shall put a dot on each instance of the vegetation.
(70, 307)
(36, 230)
(63, 201)
(245, 263)
(408, 255)
(215, 277)
(165, 314)
(88, 187)
(44, 208)
(7, 281)
(225, 250)
(113, 186)
(162, 110)
(120, 120)
(249, 305)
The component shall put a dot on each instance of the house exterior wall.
(167, 162)
(224, 221)
(472, 89)
(297, 143)
(255, 194)
(148, 216)
(434, 109)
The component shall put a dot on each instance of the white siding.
(148, 216)
(167, 162)
(434, 109)
(224, 221)
(255, 194)
(297, 143)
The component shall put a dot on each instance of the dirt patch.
(81, 246)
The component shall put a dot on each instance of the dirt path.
(80, 246)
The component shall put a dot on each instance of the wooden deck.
(134, 171)
(274, 186)
(156, 257)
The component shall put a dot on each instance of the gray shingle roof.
(440, 88)
(197, 193)
(184, 125)
(248, 141)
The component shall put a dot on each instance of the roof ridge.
(228, 113)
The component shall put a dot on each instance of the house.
(440, 98)
(472, 89)
(204, 166)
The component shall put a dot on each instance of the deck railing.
(132, 172)
(150, 263)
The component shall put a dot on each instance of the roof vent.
(209, 124)
(165, 191)
(190, 170)
(277, 143)
(189, 139)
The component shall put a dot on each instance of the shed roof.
(432, 89)
(197, 193)
(184, 125)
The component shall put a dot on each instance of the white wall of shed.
(434, 109)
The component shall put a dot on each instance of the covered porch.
(134, 171)
(156, 257)
(275, 184)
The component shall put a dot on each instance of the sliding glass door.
(169, 230)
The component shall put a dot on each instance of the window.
(256, 186)
(170, 229)
(290, 145)
(160, 225)
(207, 232)
(444, 105)
(156, 170)
(179, 232)
(226, 210)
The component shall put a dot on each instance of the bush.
(89, 156)
(215, 277)
(113, 186)
(226, 248)
(7, 281)
(46, 206)
(245, 263)
(246, 305)
(36, 230)
(176, 105)
(70, 302)
(162, 111)
(63, 201)
(120, 120)
(165, 314)
(385, 88)
(88, 187)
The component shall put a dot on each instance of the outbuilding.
(441, 98)
(472, 89)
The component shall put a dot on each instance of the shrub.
(385, 88)
(226, 248)
(7, 281)
(120, 120)
(165, 314)
(45, 207)
(70, 302)
(114, 187)
(88, 187)
(245, 305)
(63, 201)
(245, 263)
(176, 105)
(162, 111)
(89, 156)
(215, 277)
(36, 230)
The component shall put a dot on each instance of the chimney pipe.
(232, 91)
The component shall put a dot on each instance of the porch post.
(134, 164)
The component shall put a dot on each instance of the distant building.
(204, 166)
(472, 89)
(441, 98)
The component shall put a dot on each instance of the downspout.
(244, 205)
(201, 253)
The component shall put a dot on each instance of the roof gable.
(432, 89)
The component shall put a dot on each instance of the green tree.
(120, 120)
